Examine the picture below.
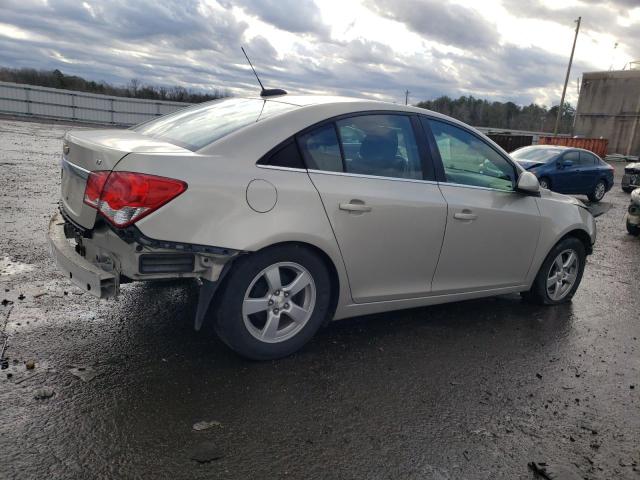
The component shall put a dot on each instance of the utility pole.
(406, 97)
(566, 79)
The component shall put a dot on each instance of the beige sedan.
(295, 210)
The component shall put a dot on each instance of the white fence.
(43, 102)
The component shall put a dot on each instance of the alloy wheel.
(279, 302)
(562, 274)
(599, 191)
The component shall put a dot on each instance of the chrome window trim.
(464, 185)
(75, 169)
(276, 167)
(377, 177)
(373, 177)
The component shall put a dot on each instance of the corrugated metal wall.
(609, 107)
(43, 102)
(511, 142)
(596, 145)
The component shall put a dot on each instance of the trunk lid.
(86, 151)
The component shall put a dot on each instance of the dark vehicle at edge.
(631, 177)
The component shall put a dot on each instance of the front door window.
(468, 160)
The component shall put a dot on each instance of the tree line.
(134, 89)
(503, 115)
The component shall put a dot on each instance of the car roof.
(360, 104)
(340, 101)
(557, 147)
(318, 108)
(314, 109)
(306, 100)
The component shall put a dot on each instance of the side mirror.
(528, 182)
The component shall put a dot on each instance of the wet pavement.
(463, 391)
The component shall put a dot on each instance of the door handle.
(465, 215)
(355, 206)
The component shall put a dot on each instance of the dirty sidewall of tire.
(230, 323)
(593, 196)
(538, 292)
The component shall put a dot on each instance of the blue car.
(567, 170)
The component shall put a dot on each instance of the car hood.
(529, 164)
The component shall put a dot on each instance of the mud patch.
(11, 267)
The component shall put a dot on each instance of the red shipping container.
(595, 145)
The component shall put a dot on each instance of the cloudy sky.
(497, 49)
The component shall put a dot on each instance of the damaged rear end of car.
(95, 238)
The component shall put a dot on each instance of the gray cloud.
(450, 24)
(189, 43)
(597, 16)
(295, 16)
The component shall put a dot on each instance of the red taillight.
(95, 184)
(125, 197)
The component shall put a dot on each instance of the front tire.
(545, 183)
(560, 273)
(598, 191)
(273, 302)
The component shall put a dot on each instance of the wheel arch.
(581, 235)
(324, 256)
(607, 183)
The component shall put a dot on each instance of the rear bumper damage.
(82, 273)
(100, 259)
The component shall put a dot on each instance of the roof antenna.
(271, 92)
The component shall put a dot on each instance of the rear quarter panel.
(214, 209)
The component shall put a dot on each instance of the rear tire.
(598, 191)
(633, 229)
(273, 302)
(560, 273)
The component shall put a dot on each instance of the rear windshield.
(535, 154)
(199, 125)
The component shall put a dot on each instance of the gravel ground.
(470, 390)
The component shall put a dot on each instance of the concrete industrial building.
(609, 107)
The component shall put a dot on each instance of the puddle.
(9, 267)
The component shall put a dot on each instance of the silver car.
(291, 211)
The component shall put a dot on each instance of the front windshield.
(536, 154)
(199, 125)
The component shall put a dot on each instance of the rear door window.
(587, 159)
(380, 145)
(573, 157)
(197, 126)
(286, 155)
(321, 149)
